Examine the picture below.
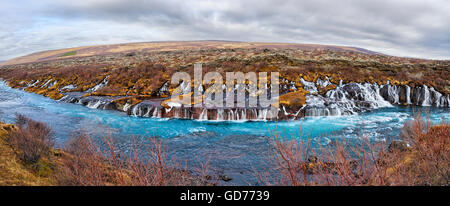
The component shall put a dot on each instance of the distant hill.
(166, 46)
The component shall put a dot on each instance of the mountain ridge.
(99, 50)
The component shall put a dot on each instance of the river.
(235, 149)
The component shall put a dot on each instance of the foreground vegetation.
(422, 157)
(28, 157)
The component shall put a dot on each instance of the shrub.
(424, 162)
(86, 164)
(32, 140)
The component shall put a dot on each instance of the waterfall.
(220, 115)
(284, 110)
(137, 111)
(99, 86)
(426, 96)
(204, 114)
(46, 83)
(68, 87)
(33, 84)
(176, 112)
(230, 115)
(323, 83)
(164, 89)
(64, 98)
(393, 94)
(298, 112)
(345, 99)
(95, 105)
(53, 84)
(408, 95)
(134, 111)
(147, 114)
(126, 107)
(436, 96)
(244, 115)
(262, 114)
(309, 86)
(157, 112)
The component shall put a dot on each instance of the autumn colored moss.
(294, 100)
(324, 90)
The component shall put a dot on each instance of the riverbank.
(421, 158)
(13, 171)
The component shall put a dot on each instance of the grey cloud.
(402, 28)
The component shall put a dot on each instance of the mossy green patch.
(71, 53)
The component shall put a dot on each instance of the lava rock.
(225, 178)
(398, 146)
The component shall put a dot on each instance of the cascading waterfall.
(426, 96)
(345, 99)
(393, 93)
(126, 107)
(95, 104)
(46, 83)
(99, 86)
(220, 115)
(408, 95)
(204, 114)
(309, 86)
(437, 96)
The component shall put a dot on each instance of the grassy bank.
(14, 171)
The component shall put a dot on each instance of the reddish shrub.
(32, 140)
(424, 162)
(86, 164)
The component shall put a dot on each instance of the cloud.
(402, 28)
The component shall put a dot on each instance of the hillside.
(316, 80)
(165, 46)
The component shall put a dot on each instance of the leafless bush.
(86, 164)
(32, 140)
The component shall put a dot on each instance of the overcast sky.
(397, 27)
